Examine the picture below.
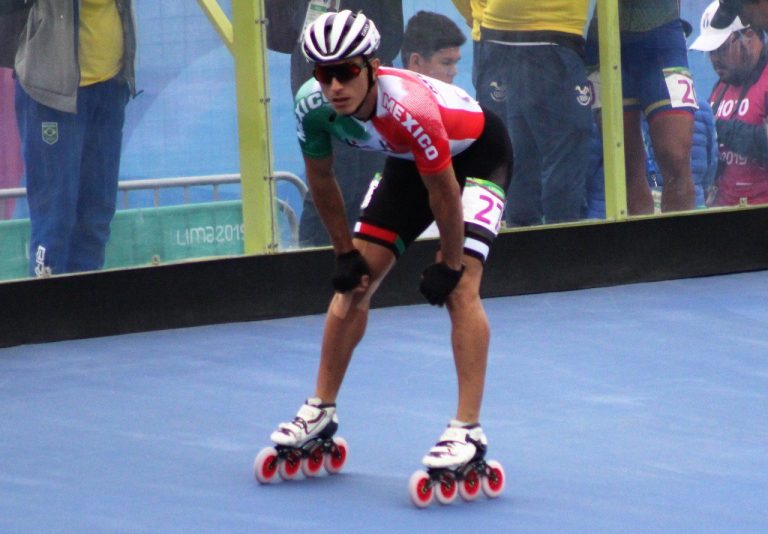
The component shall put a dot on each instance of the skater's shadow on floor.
(390, 489)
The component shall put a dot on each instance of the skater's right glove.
(437, 282)
(350, 269)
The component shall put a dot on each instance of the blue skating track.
(640, 408)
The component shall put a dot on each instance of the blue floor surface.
(640, 408)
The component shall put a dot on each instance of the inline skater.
(439, 142)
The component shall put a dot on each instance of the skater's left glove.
(437, 282)
(350, 269)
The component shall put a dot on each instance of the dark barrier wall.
(291, 284)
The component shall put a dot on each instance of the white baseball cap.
(712, 38)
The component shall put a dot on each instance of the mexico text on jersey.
(417, 118)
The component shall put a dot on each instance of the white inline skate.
(305, 444)
(456, 465)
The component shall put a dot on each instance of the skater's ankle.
(458, 423)
(318, 402)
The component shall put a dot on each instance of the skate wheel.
(420, 489)
(265, 465)
(447, 489)
(289, 466)
(469, 486)
(338, 456)
(312, 464)
(494, 481)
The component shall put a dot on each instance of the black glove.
(350, 269)
(437, 282)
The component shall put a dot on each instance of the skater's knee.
(358, 299)
(467, 291)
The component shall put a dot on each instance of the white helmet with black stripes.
(338, 36)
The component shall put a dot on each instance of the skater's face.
(345, 83)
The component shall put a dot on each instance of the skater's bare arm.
(445, 202)
(329, 202)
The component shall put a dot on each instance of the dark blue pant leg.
(567, 127)
(490, 75)
(524, 198)
(97, 196)
(52, 143)
(549, 122)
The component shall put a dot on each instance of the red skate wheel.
(289, 466)
(265, 465)
(420, 489)
(447, 489)
(469, 487)
(494, 480)
(312, 464)
(338, 456)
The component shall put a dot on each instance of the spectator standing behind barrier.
(704, 163)
(704, 152)
(530, 71)
(75, 74)
(704, 157)
(287, 20)
(657, 83)
(740, 103)
(432, 46)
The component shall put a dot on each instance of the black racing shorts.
(396, 209)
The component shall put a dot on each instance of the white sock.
(455, 423)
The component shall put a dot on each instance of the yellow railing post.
(219, 21)
(246, 39)
(612, 110)
(253, 119)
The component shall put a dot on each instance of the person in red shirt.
(740, 104)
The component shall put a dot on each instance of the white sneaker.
(457, 446)
(313, 417)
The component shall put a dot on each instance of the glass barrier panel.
(179, 193)
(184, 143)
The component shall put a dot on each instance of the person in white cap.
(740, 103)
(711, 37)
